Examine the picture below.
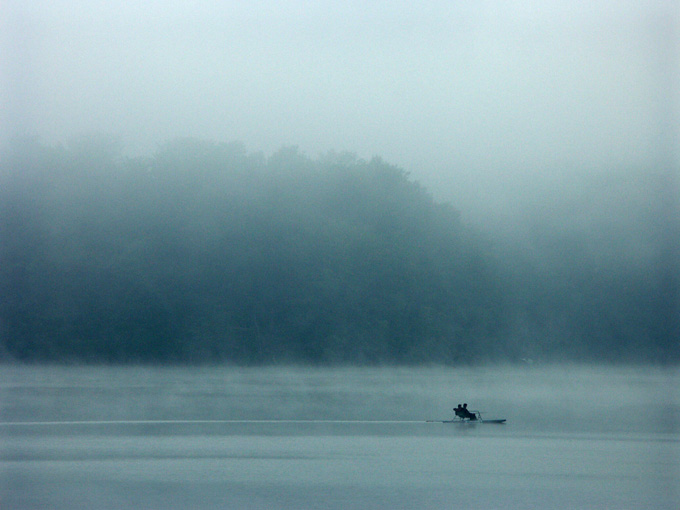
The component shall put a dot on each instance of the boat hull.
(472, 422)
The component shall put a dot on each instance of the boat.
(472, 422)
(478, 419)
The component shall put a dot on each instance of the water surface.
(226, 437)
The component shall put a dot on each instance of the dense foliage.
(205, 252)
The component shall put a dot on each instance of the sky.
(477, 100)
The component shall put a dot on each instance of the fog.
(228, 437)
(206, 253)
(488, 105)
(248, 249)
(567, 399)
(192, 182)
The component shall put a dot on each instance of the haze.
(290, 438)
(476, 101)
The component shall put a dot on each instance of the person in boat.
(463, 413)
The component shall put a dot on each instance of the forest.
(205, 252)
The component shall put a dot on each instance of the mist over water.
(338, 438)
(567, 399)
(174, 211)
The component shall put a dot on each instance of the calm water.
(223, 437)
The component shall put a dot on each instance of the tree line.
(205, 252)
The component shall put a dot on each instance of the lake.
(332, 438)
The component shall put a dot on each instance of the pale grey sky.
(472, 98)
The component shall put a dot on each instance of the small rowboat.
(473, 422)
(469, 421)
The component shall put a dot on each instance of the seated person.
(468, 414)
